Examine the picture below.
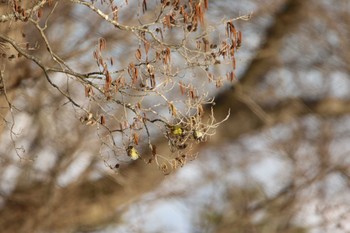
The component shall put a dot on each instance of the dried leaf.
(192, 94)
(231, 76)
(102, 120)
(231, 31)
(239, 40)
(172, 109)
(88, 91)
(102, 44)
(16, 6)
(115, 13)
(144, 6)
(206, 4)
(199, 13)
(133, 72)
(234, 63)
(108, 82)
(108, 77)
(136, 74)
(95, 55)
(159, 30)
(185, 17)
(136, 138)
(147, 45)
(101, 62)
(206, 44)
(167, 56)
(166, 21)
(232, 48)
(24, 13)
(138, 54)
(182, 88)
(40, 12)
(153, 81)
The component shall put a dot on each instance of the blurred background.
(280, 163)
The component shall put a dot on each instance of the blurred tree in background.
(100, 99)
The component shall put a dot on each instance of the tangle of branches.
(160, 89)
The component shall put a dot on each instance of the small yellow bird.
(198, 135)
(133, 153)
(177, 130)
